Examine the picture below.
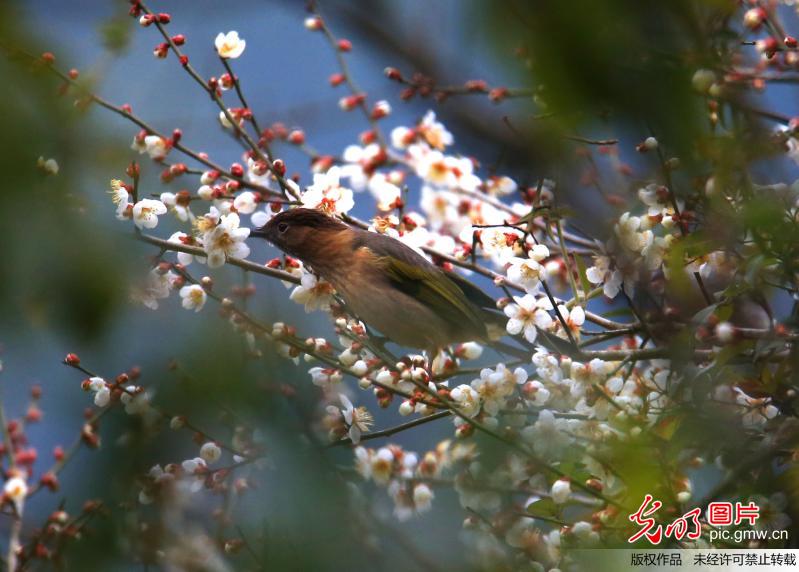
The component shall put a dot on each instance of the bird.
(386, 284)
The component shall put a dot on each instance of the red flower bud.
(297, 137)
(476, 85)
(344, 45)
(33, 414)
(133, 170)
(179, 39)
(161, 50)
(72, 359)
(236, 170)
(407, 93)
(337, 79)
(226, 81)
(50, 481)
(164, 18)
(48, 58)
(392, 73)
(497, 94)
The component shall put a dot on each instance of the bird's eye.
(282, 227)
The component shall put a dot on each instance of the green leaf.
(545, 508)
(584, 283)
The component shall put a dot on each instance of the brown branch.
(348, 79)
(184, 61)
(393, 430)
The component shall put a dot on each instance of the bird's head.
(299, 232)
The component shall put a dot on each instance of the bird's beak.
(260, 231)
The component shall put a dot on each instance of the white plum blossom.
(327, 194)
(47, 166)
(184, 258)
(15, 489)
(313, 292)
(536, 392)
(527, 314)
(561, 490)
(470, 350)
(120, 197)
(260, 217)
(756, 411)
(501, 244)
(434, 132)
(627, 231)
(136, 400)
(156, 286)
(322, 376)
(381, 465)
(226, 239)
(601, 273)
(548, 435)
(146, 212)
(444, 171)
(467, 399)
(501, 186)
(245, 202)
(180, 208)
(155, 146)
(359, 161)
(528, 272)
(102, 393)
(210, 452)
(387, 194)
(422, 497)
(229, 46)
(495, 386)
(193, 297)
(102, 397)
(358, 420)
(574, 319)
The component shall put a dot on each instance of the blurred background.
(612, 69)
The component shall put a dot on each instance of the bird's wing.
(473, 293)
(415, 276)
(494, 320)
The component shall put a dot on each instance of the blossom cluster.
(697, 336)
